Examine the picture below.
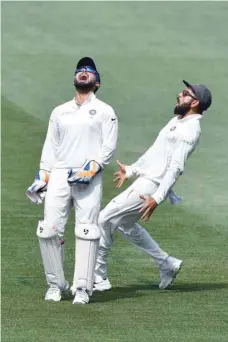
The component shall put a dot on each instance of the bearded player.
(157, 171)
(80, 142)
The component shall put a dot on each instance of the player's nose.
(84, 70)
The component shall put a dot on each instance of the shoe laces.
(81, 293)
(53, 289)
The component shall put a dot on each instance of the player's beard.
(84, 87)
(182, 109)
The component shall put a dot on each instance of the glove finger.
(37, 186)
(33, 197)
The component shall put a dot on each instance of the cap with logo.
(202, 94)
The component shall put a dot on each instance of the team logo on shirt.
(173, 128)
(92, 112)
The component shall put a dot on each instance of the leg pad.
(51, 252)
(87, 242)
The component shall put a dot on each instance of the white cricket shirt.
(164, 161)
(77, 133)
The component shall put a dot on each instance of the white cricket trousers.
(86, 199)
(122, 214)
(60, 198)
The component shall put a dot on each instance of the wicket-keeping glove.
(85, 175)
(37, 191)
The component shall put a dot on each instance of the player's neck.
(191, 112)
(80, 98)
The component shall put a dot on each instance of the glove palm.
(85, 175)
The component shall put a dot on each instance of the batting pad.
(51, 250)
(86, 248)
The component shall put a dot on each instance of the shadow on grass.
(131, 291)
(194, 287)
(136, 291)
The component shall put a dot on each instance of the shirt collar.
(90, 98)
(191, 117)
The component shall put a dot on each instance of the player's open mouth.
(83, 78)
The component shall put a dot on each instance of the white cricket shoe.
(81, 297)
(169, 271)
(102, 284)
(54, 294)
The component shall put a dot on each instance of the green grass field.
(143, 50)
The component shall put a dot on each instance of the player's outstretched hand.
(120, 175)
(148, 208)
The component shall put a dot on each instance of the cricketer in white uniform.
(157, 171)
(80, 142)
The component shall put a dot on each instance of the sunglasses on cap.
(86, 69)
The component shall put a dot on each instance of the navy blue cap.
(86, 61)
(202, 94)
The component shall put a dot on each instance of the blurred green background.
(143, 51)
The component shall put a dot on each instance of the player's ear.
(96, 87)
(195, 103)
